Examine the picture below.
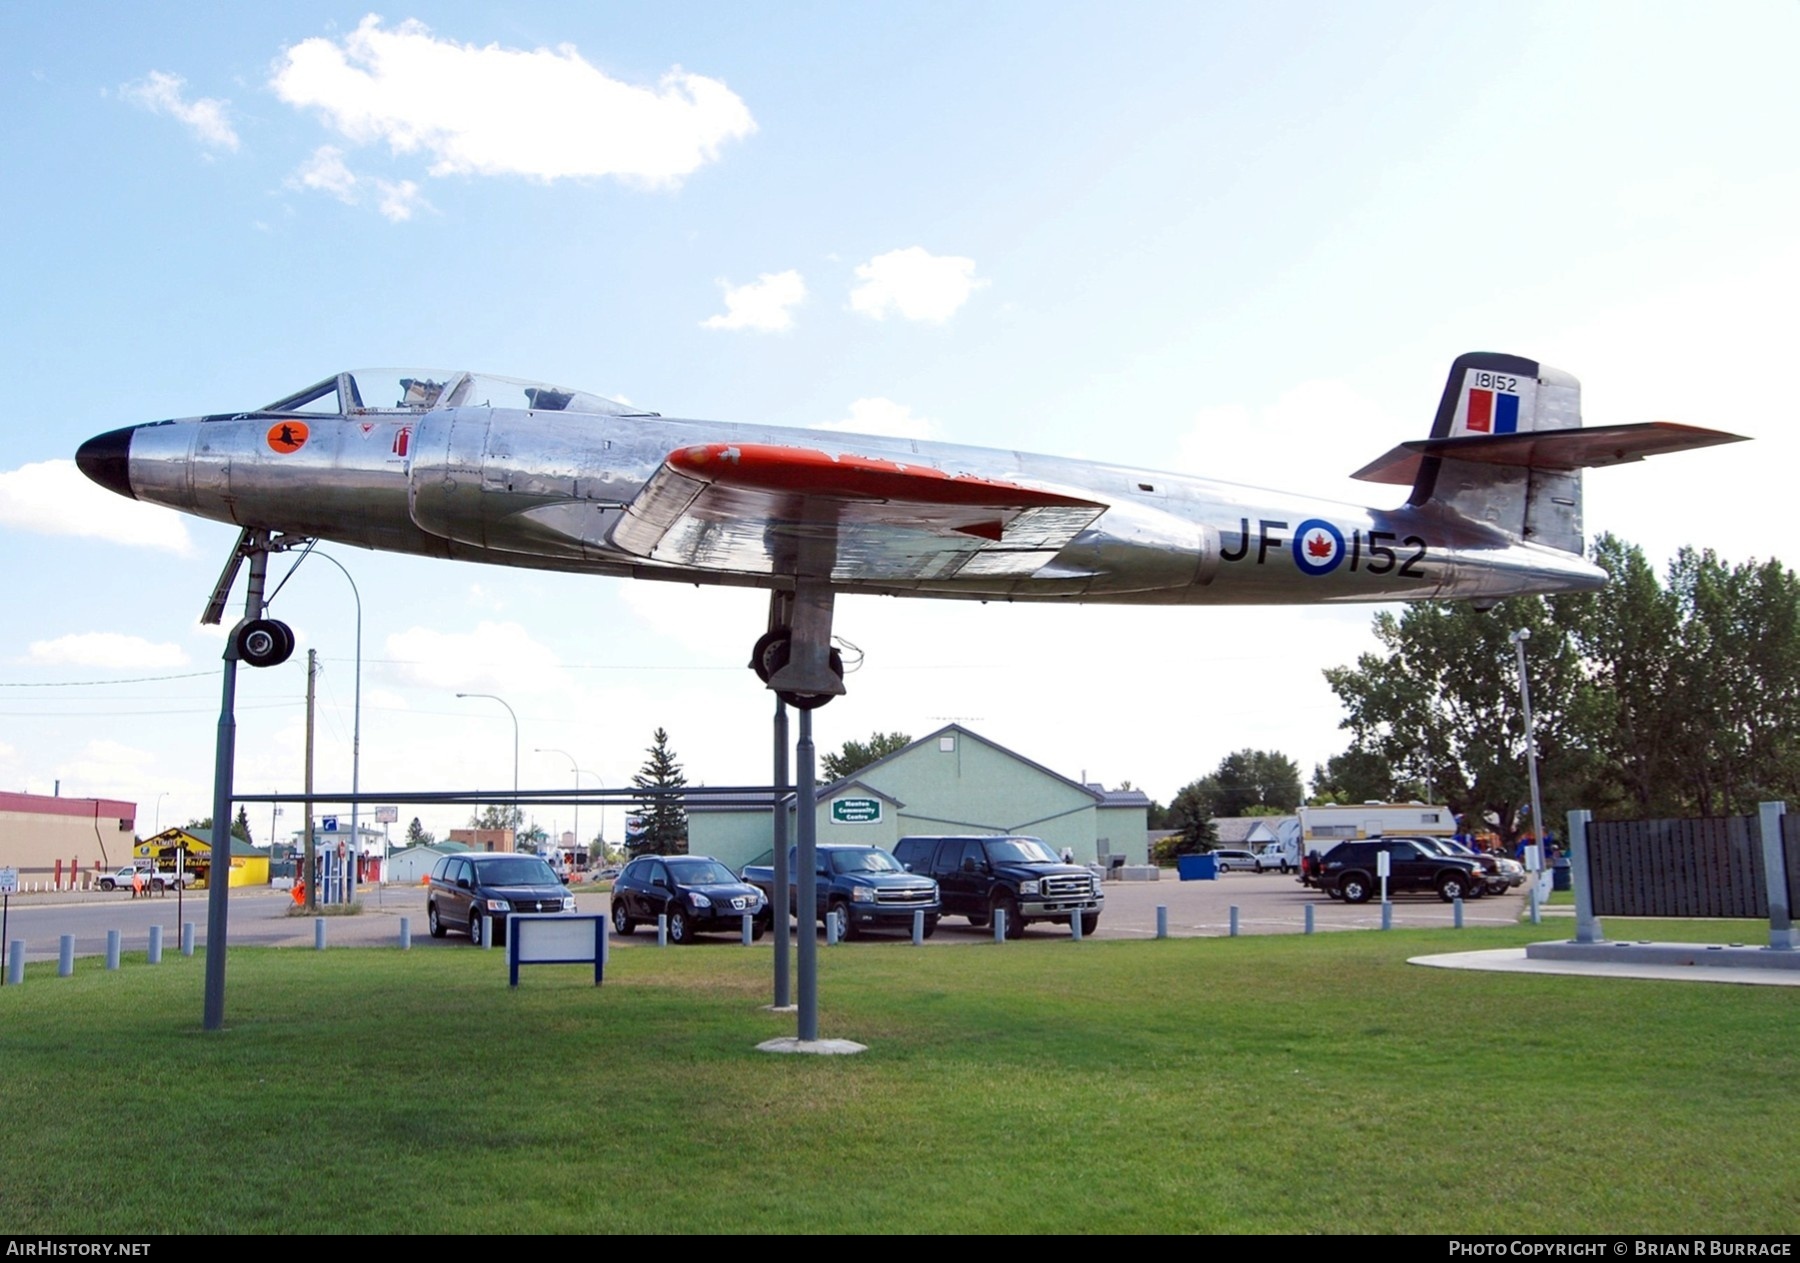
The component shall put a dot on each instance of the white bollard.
(662, 929)
(405, 934)
(918, 927)
(65, 956)
(745, 933)
(156, 945)
(112, 949)
(999, 925)
(1075, 926)
(1234, 921)
(1456, 908)
(15, 962)
(1162, 920)
(187, 938)
(318, 934)
(1309, 918)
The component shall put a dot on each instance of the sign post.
(9, 886)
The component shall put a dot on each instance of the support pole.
(1781, 916)
(218, 875)
(806, 859)
(781, 899)
(1587, 926)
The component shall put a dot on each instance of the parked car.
(1350, 870)
(1232, 861)
(153, 880)
(696, 893)
(477, 892)
(860, 887)
(1503, 874)
(1021, 876)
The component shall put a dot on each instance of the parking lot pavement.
(1267, 903)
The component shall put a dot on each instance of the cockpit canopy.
(365, 390)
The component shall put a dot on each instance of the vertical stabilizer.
(1491, 395)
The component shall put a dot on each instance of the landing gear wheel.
(265, 642)
(770, 654)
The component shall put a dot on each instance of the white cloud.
(547, 113)
(1309, 441)
(495, 657)
(52, 497)
(160, 93)
(914, 283)
(106, 649)
(762, 305)
(326, 172)
(883, 416)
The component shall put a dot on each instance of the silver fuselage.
(545, 489)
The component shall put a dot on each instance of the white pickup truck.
(124, 877)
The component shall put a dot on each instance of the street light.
(349, 880)
(1518, 639)
(573, 764)
(515, 718)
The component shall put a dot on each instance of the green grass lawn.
(1288, 1084)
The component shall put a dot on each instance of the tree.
(1442, 707)
(240, 828)
(1190, 811)
(1355, 776)
(664, 819)
(495, 816)
(1251, 779)
(418, 835)
(856, 755)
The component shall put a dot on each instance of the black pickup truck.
(863, 887)
(979, 876)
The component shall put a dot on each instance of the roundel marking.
(1318, 547)
(287, 436)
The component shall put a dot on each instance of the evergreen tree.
(418, 835)
(664, 818)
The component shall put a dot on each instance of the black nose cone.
(106, 458)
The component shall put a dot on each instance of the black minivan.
(472, 892)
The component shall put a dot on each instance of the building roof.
(49, 805)
(930, 737)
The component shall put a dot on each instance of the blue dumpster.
(1197, 867)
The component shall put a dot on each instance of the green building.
(951, 782)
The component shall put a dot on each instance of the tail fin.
(1508, 449)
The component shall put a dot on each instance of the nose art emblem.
(287, 436)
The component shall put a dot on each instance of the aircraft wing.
(753, 508)
(1589, 448)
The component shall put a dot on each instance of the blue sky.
(1236, 240)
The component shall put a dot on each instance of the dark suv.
(469, 893)
(1349, 871)
(978, 876)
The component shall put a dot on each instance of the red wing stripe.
(808, 471)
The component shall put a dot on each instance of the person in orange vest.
(299, 892)
(137, 882)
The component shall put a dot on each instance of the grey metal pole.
(1781, 916)
(1234, 920)
(1456, 909)
(65, 956)
(1587, 926)
(15, 962)
(1162, 920)
(405, 934)
(218, 873)
(806, 858)
(112, 949)
(515, 721)
(348, 884)
(782, 898)
(1309, 918)
(156, 937)
(1519, 638)
(187, 938)
(318, 934)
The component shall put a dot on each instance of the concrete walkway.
(1513, 960)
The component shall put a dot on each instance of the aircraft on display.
(492, 469)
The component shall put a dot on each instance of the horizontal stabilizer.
(1565, 450)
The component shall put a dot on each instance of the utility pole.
(310, 874)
